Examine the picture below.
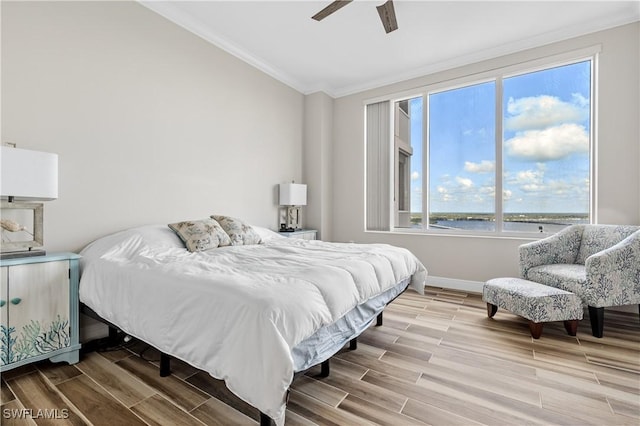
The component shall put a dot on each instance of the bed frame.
(165, 359)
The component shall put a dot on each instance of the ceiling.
(349, 51)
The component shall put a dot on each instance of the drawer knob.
(2, 303)
(15, 300)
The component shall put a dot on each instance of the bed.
(251, 315)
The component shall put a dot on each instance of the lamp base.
(293, 217)
(19, 254)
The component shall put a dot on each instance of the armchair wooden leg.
(379, 320)
(596, 316)
(536, 329)
(571, 326)
(353, 344)
(491, 310)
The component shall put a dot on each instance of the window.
(508, 153)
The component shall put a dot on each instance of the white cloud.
(528, 180)
(533, 187)
(464, 183)
(485, 166)
(550, 144)
(533, 182)
(526, 177)
(415, 176)
(544, 111)
(444, 194)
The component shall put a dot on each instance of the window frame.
(496, 75)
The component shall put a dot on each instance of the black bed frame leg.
(165, 365)
(113, 334)
(353, 344)
(324, 369)
(379, 320)
(265, 420)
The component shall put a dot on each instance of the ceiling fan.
(386, 11)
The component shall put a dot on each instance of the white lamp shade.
(293, 194)
(28, 175)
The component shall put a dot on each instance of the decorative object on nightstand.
(302, 234)
(27, 176)
(292, 195)
(39, 310)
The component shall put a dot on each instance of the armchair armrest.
(613, 275)
(561, 247)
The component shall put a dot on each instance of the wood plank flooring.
(437, 360)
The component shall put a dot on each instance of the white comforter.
(237, 311)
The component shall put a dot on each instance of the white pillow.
(153, 235)
(266, 234)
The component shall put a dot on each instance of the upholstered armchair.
(599, 263)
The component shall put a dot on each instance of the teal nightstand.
(303, 234)
(39, 310)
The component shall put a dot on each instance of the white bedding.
(236, 311)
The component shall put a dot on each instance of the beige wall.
(478, 258)
(151, 123)
(317, 173)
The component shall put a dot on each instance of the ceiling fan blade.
(336, 5)
(388, 16)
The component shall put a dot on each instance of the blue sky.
(545, 148)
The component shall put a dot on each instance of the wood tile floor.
(437, 360)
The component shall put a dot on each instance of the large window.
(509, 153)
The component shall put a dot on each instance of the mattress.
(238, 312)
(328, 340)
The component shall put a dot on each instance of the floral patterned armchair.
(599, 263)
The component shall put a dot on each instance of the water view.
(513, 222)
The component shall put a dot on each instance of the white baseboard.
(455, 284)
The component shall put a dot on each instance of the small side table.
(39, 309)
(302, 234)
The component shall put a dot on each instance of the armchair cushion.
(568, 277)
(561, 247)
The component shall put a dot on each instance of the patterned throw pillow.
(240, 233)
(199, 235)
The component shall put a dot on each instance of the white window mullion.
(593, 146)
(499, 196)
(425, 161)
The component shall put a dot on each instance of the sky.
(545, 145)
